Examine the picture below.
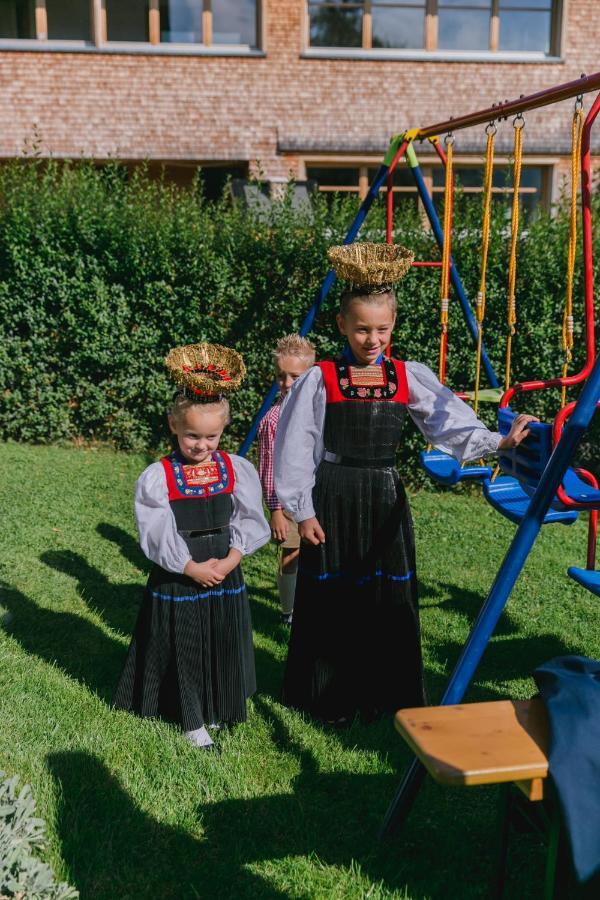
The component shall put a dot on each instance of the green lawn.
(286, 809)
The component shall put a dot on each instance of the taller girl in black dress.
(355, 642)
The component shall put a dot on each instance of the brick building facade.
(270, 95)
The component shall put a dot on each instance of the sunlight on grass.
(285, 808)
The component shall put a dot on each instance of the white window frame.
(430, 49)
(98, 38)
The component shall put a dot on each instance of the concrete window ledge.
(122, 47)
(441, 56)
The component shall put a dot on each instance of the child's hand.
(205, 573)
(518, 432)
(280, 527)
(311, 532)
(228, 563)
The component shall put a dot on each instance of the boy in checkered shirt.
(293, 355)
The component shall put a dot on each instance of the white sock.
(199, 738)
(287, 589)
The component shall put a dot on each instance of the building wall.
(276, 109)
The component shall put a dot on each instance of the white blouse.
(159, 539)
(443, 419)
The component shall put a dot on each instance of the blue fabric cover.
(570, 689)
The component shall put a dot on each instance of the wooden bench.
(499, 742)
(481, 743)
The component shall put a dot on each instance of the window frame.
(431, 31)
(98, 37)
(548, 165)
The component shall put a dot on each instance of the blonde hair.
(368, 296)
(294, 345)
(182, 402)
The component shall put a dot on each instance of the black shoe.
(286, 619)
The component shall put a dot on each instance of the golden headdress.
(206, 370)
(373, 266)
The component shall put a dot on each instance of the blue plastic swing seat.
(507, 496)
(444, 469)
(587, 578)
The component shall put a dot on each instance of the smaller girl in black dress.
(198, 512)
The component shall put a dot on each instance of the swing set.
(538, 485)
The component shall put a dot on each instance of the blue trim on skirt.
(364, 579)
(192, 597)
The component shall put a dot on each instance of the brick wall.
(169, 107)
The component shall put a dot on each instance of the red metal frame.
(586, 208)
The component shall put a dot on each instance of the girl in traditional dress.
(198, 512)
(355, 642)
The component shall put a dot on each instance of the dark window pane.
(419, 3)
(465, 176)
(234, 22)
(398, 27)
(324, 175)
(402, 176)
(461, 29)
(181, 21)
(68, 20)
(335, 27)
(471, 4)
(525, 31)
(526, 4)
(127, 21)
(17, 19)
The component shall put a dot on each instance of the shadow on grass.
(118, 604)
(115, 849)
(73, 643)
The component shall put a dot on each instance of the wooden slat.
(479, 743)
(154, 22)
(41, 20)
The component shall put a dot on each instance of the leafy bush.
(22, 876)
(101, 274)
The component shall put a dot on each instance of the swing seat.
(507, 496)
(444, 469)
(587, 578)
(578, 490)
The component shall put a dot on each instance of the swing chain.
(518, 121)
(579, 102)
(449, 139)
(490, 128)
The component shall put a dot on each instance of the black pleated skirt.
(191, 659)
(355, 643)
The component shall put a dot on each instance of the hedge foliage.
(101, 273)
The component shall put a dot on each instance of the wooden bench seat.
(481, 743)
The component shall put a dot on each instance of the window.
(68, 20)
(525, 24)
(234, 22)
(180, 22)
(127, 21)
(517, 26)
(532, 189)
(17, 19)
(203, 23)
(356, 180)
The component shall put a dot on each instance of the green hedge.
(100, 274)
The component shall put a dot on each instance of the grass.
(286, 809)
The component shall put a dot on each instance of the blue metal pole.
(504, 582)
(309, 319)
(432, 215)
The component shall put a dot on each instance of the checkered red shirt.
(266, 440)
